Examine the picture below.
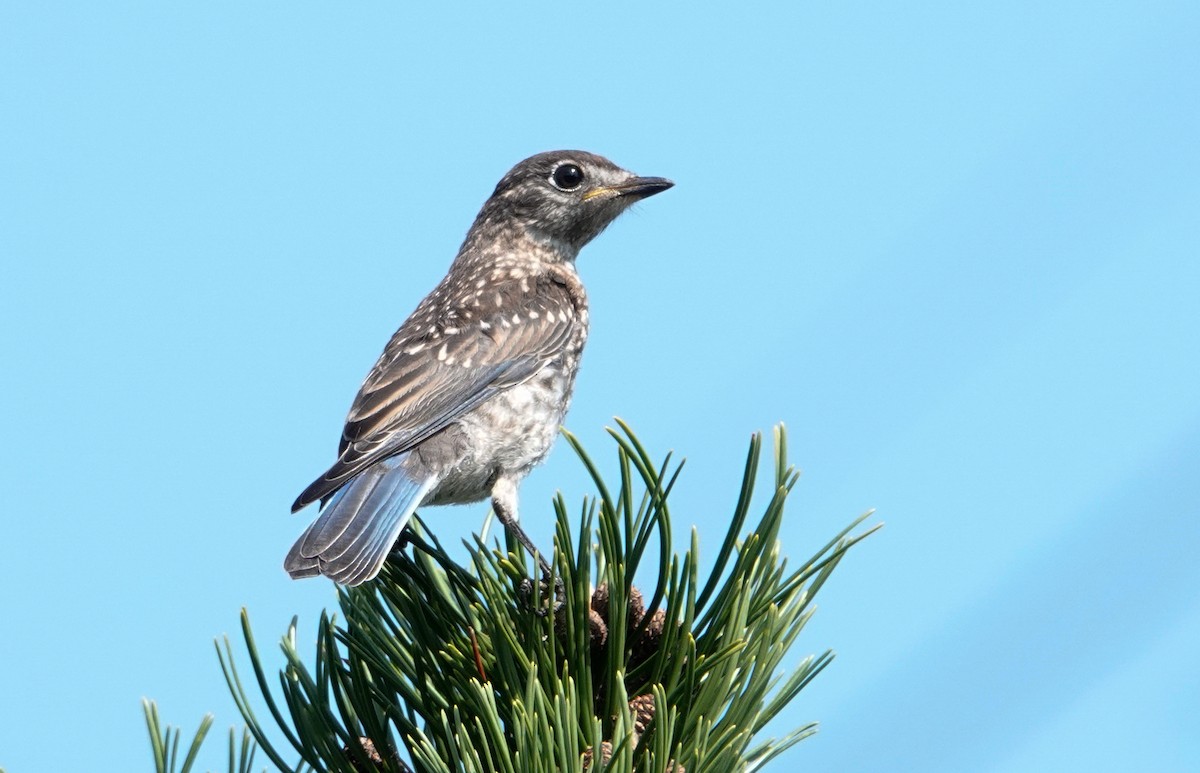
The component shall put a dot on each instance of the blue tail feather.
(354, 533)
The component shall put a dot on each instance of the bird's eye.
(567, 177)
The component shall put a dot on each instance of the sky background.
(954, 246)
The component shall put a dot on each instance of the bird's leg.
(504, 505)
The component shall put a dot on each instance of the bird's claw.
(525, 591)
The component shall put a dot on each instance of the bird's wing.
(447, 359)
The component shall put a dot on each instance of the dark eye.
(567, 177)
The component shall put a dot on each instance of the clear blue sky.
(954, 246)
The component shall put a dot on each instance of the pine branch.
(477, 669)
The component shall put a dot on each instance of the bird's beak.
(637, 188)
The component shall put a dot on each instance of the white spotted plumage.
(469, 394)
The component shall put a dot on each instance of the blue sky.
(953, 246)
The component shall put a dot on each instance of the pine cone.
(597, 629)
(648, 644)
(643, 714)
(606, 751)
(376, 760)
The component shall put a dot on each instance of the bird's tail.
(356, 529)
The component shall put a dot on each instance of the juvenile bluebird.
(469, 393)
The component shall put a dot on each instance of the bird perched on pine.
(469, 393)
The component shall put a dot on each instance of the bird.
(469, 393)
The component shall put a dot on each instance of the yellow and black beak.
(637, 188)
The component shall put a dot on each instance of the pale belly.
(506, 437)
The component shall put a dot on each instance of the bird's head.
(566, 196)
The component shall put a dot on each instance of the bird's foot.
(525, 591)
